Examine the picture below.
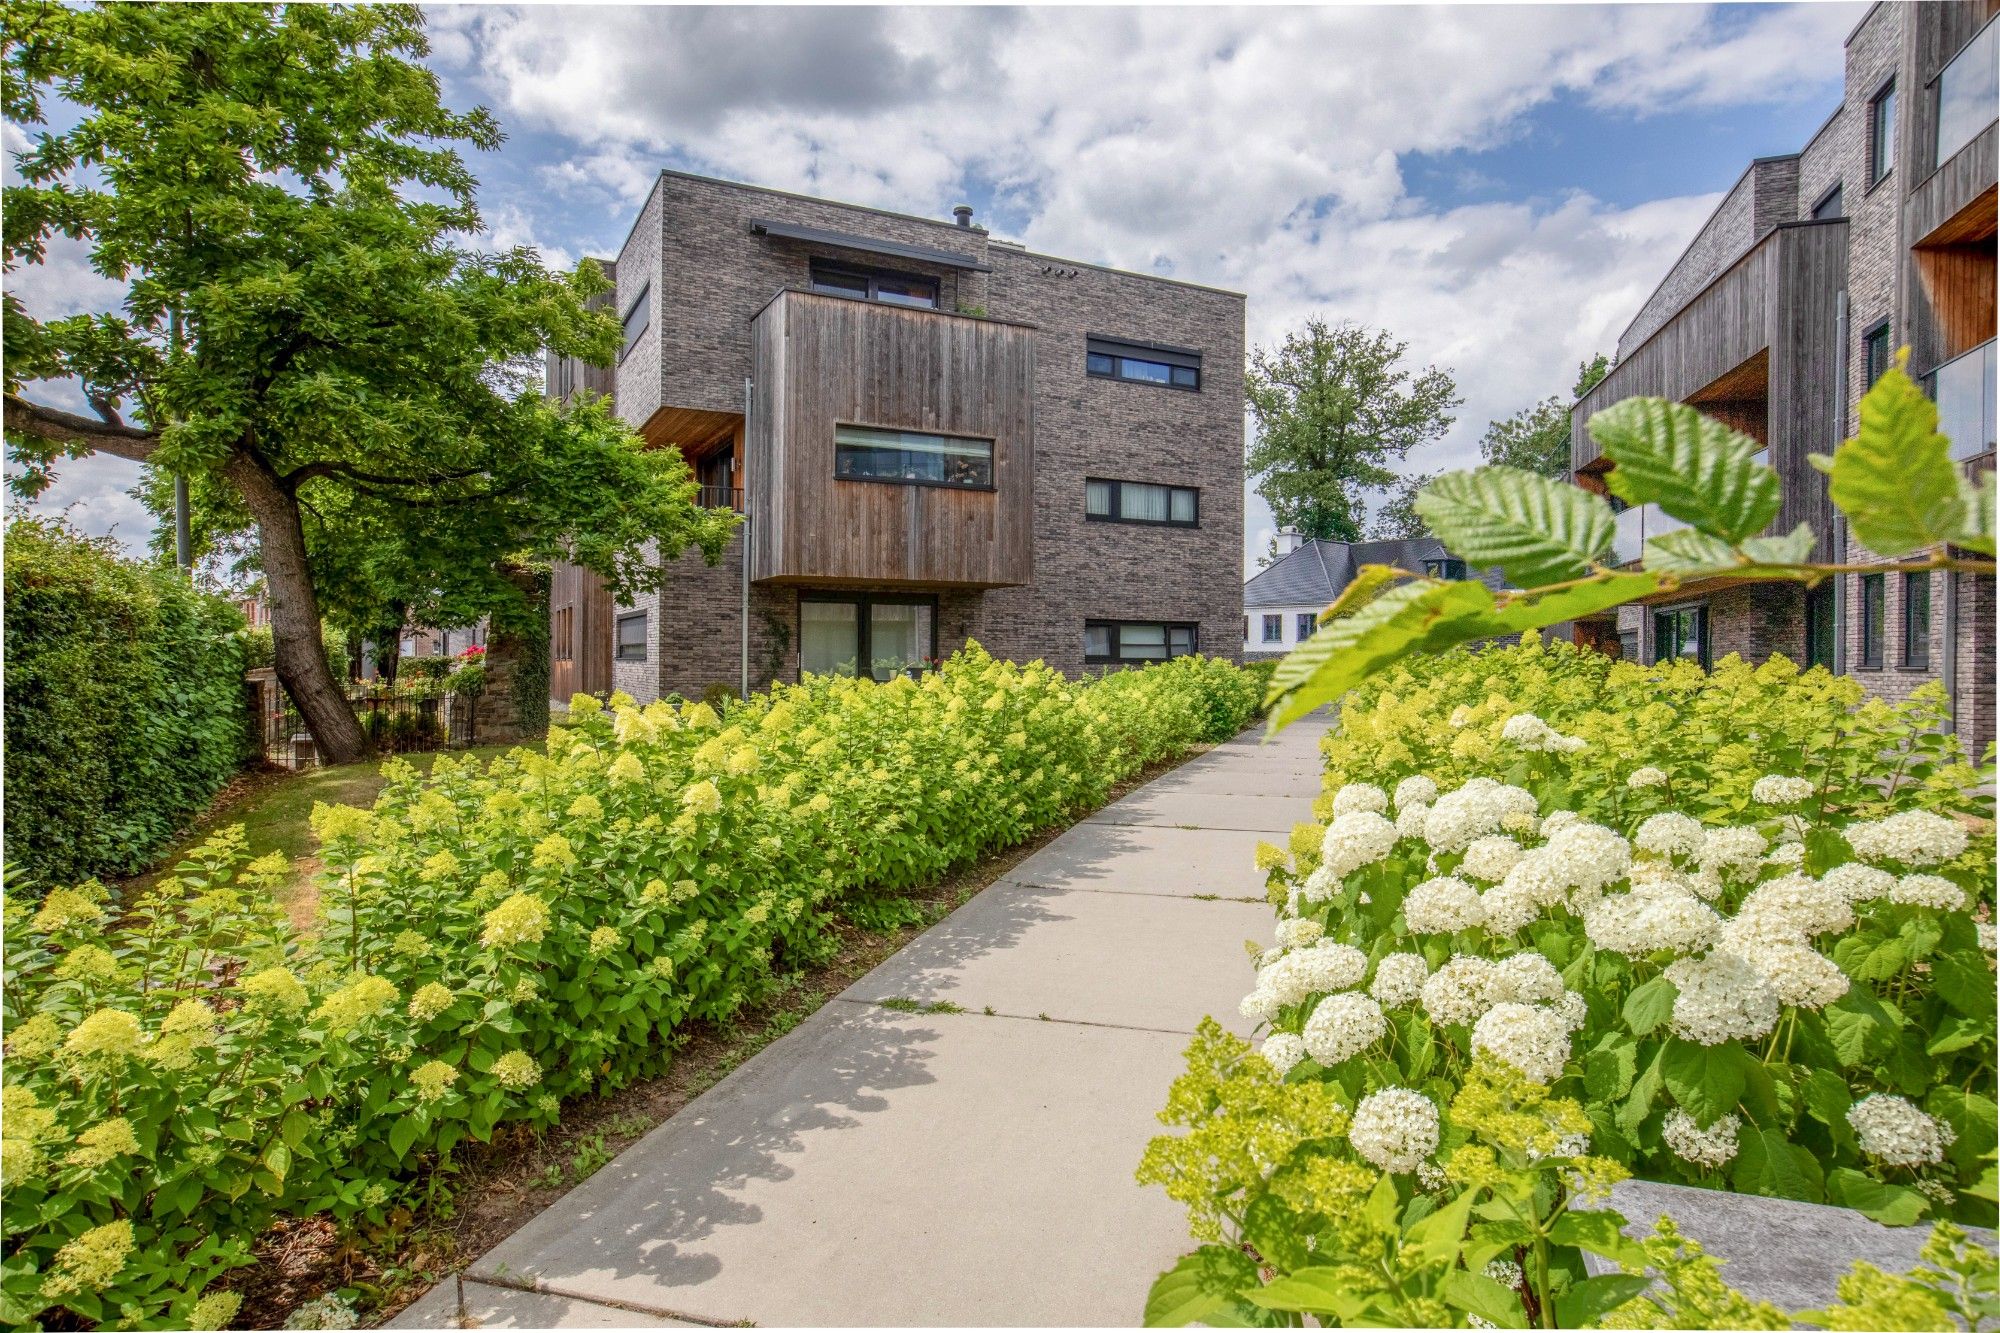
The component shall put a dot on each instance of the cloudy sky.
(1500, 185)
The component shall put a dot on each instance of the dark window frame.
(873, 277)
(1273, 627)
(1916, 646)
(992, 458)
(1117, 626)
(862, 602)
(644, 298)
(1881, 154)
(1445, 567)
(1822, 626)
(618, 653)
(1874, 337)
(1121, 350)
(1306, 624)
(1834, 195)
(1872, 592)
(1117, 514)
(1704, 634)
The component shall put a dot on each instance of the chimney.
(964, 214)
(1289, 541)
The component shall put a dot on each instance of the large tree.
(1398, 516)
(1537, 438)
(1335, 408)
(306, 331)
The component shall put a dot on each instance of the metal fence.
(395, 722)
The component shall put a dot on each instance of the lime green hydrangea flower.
(216, 1310)
(553, 851)
(330, 822)
(35, 1038)
(603, 940)
(355, 1003)
(91, 1262)
(67, 909)
(586, 808)
(438, 866)
(701, 798)
(627, 767)
(522, 919)
(107, 1034)
(275, 989)
(103, 1143)
(430, 1000)
(432, 1079)
(517, 1069)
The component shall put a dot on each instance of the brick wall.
(1728, 232)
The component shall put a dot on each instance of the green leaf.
(1645, 1090)
(1860, 1028)
(1199, 1287)
(402, 1134)
(1535, 529)
(1895, 480)
(1600, 1231)
(1827, 1099)
(1891, 1205)
(1689, 551)
(1692, 466)
(1594, 1297)
(1706, 1080)
(1649, 1005)
(1609, 1069)
(1492, 1301)
(1768, 1164)
(1973, 1116)
(1437, 1239)
(1975, 532)
(1791, 548)
(1965, 982)
(1321, 1291)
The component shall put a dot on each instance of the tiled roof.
(1317, 571)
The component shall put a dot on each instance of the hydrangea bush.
(182, 1068)
(1730, 930)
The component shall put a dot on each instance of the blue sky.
(1499, 185)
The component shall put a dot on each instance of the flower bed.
(1569, 919)
(182, 1069)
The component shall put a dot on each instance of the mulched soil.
(496, 1187)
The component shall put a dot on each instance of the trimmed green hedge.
(125, 709)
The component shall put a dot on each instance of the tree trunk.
(297, 649)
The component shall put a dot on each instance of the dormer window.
(907, 289)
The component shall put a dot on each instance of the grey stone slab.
(873, 1168)
(1789, 1253)
(1119, 958)
(484, 1305)
(1153, 859)
(1207, 810)
(1237, 778)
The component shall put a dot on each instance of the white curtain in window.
(829, 637)
(1146, 503)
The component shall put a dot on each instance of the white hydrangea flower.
(1559, 820)
(1928, 891)
(1572, 1009)
(1506, 1272)
(1360, 796)
(1711, 1147)
(1787, 854)
(1490, 858)
(1530, 1038)
(1415, 790)
(1893, 1130)
(1259, 1006)
(1538, 877)
(1985, 929)
(1531, 733)
(1457, 817)
(1399, 979)
(1460, 716)
(1797, 903)
(1354, 840)
(1395, 1129)
(1299, 932)
(1913, 837)
(1320, 970)
(1588, 856)
(1321, 884)
(1669, 833)
(1431, 1176)
(1771, 789)
(1652, 916)
(1343, 1026)
(1410, 820)
(1648, 776)
(1723, 997)
(1859, 883)
(1508, 908)
(1724, 850)
(1459, 992)
(1282, 1050)
(1442, 906)
(1800, 975)
(1527, 977)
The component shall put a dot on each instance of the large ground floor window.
(891, 633)
(1820, 603)
(1137, 640)
(1681, 632)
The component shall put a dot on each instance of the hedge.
(125, 708)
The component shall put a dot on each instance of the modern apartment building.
(933, 435)
(1792, 299)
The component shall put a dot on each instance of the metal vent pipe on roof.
(964, 214)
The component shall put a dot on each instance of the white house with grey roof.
(1282, 601)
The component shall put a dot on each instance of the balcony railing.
(1966, 93)
(1963, 388)
(1637, 526)
(721, 497)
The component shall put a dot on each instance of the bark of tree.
(297, 652)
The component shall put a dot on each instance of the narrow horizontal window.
(868, 453)
(907, 289)
(1143, 363)
(1110, 501)
(1137, 641)
(637, 317)
(1447, 568)
(632, 637)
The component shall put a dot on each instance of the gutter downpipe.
(743, 637)
(1840, 318)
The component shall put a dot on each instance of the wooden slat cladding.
(1776, 305)
(579, 632)
(823, 361)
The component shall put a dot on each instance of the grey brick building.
(1794, 296)
(934, 435)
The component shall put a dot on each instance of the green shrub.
(493, 941)
(1567, 919)
(125, 708)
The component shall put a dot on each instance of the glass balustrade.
(1637, 526)
(1964, 389)
(1967, 92)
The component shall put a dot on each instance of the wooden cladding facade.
(1778, 305)
(579, 632)
(827, 361)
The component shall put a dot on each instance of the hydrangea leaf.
(1706, 1080)
(1534, 529)
(1891, 1205)
(1321, 1291)
(1692, 466)
(1895, 480)
(1769, 1164)
(1649, 1005)
(1199, 1289)
(1584, 1303)
(1475, 1293)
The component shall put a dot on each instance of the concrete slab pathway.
(970, 1166)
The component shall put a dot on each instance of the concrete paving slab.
(1207, 810)
(873, 1168)
(1152, 859)
(1028, 951)
(1237, 778)
(484, 1305)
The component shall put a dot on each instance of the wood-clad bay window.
(915, 458)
